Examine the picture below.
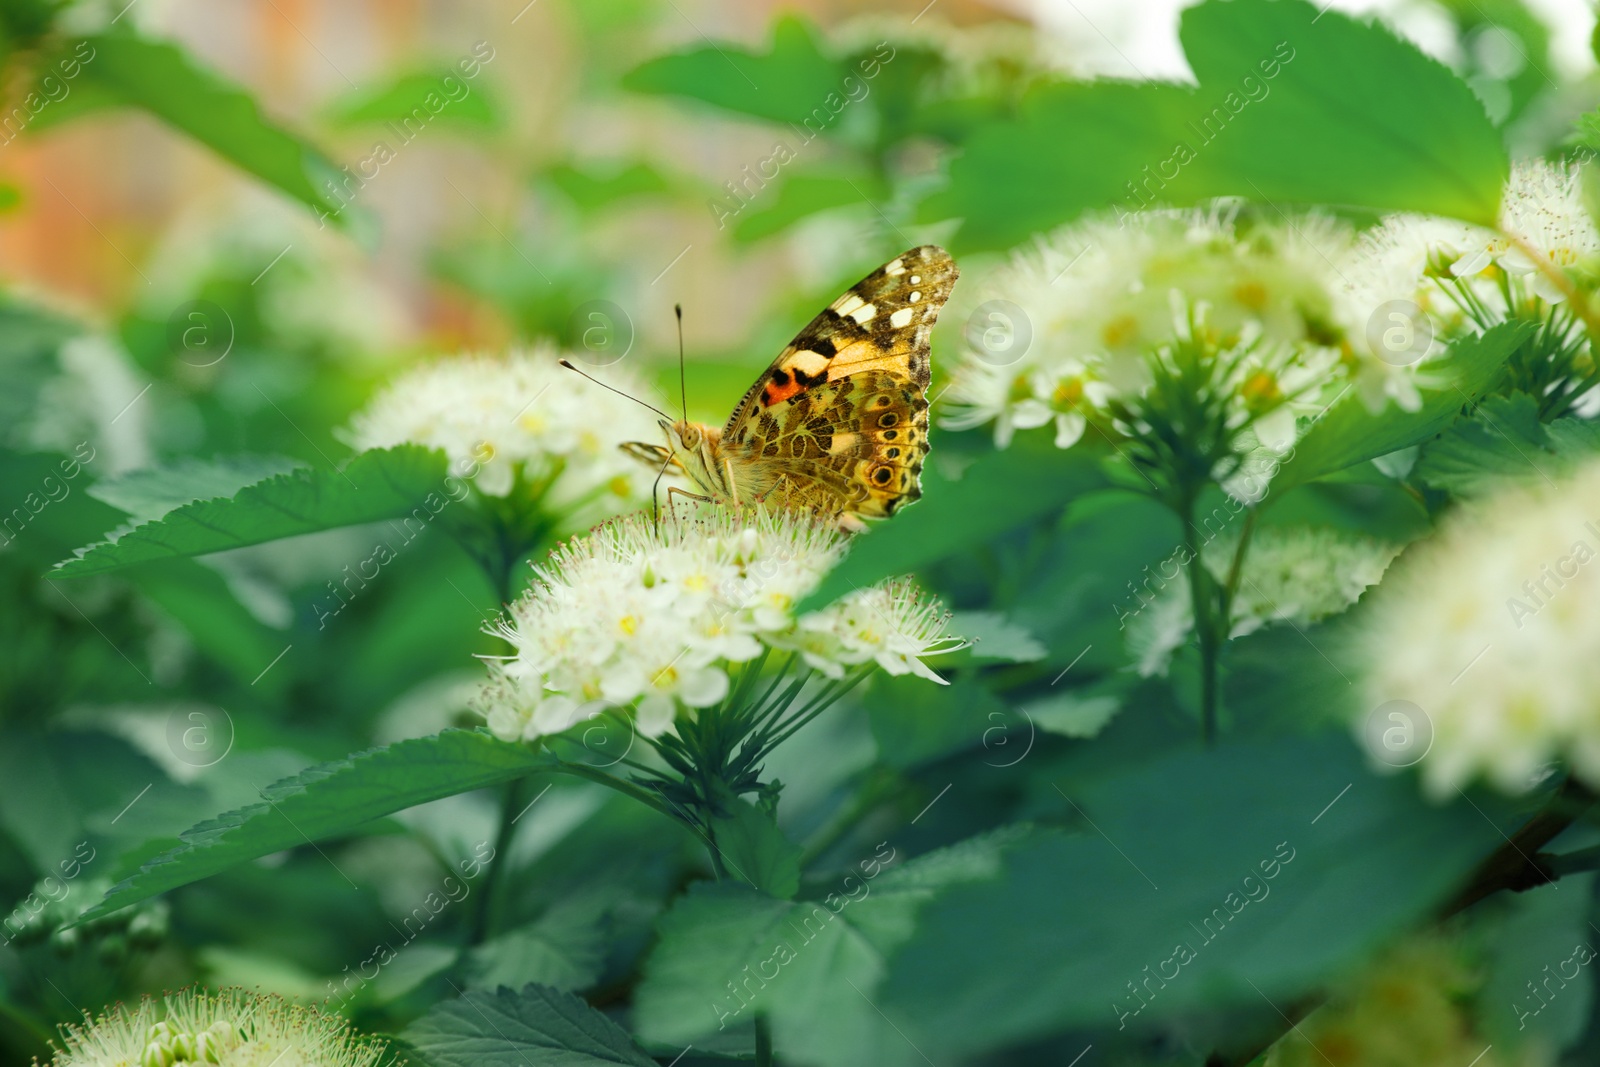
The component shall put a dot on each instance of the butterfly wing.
(839, 422)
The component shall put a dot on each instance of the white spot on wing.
(916, 279)
(847, 304)
(895, 268)
(915, 296)
(900, 319)
(864, 313)
(812, 363)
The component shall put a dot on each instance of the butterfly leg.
(671, 489)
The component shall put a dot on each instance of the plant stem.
(621, 785)
(763, 1041)
(1202, 599)
(490, 904)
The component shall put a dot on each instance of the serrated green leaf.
(1350, 114)
(327, 800)
(161, 78)
(956, 515)
(1258, 857)
(565, 949)
(755, 850)
(537, 1027)
(1074, 713)
(1503, 442)
(387, 483)
(786, 83)
(151, 492)
(1348, 433)
(800, 962)
(995, 638)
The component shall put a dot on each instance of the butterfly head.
(693, 449)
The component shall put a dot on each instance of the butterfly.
(838, 424)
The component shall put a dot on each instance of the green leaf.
(327, 800)
(1078, 712)
(538, 1027)
(565, 949)
(594, 189)
(161, 78)
(1504, 442)
(995, 638)
(956, 515)
(1348, 433)
(1539, 943)
(790, 82)
(755, 850)
(389, 483)
(1294, 105)
(726, 952)
(800, 196)
(914, 722)
(1273, 864)
(153, 491)
(405, 102)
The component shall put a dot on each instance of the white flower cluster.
(1460, 277)
(1491, 628)
(518, 420)
(231, 1027)
(1103, 302)
(1298, 574)
(635, 615)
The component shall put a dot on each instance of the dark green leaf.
(1348, 433)
(327, 800)
(755, 850)
(1294, 105)
(381, 484)
(538, 1027)
(726, 952)
(1171, 854)
(161, 78)
(958, 514)
(790, 82)
(564, 949)
(1545, 940)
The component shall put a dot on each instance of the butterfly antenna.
(567, 364)
(683, 382)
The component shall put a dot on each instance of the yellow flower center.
(1120, 331)
(1068, 392)
(629, 624)
(665, 677)
(1251, 294)
(1260, 391)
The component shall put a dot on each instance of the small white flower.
(231, 1028)
(650, 619)
(1414, 282)
(1299, 575)
(522, 420)
(1106, 302)
(1490, 628)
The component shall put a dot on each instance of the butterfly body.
(838, 424)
